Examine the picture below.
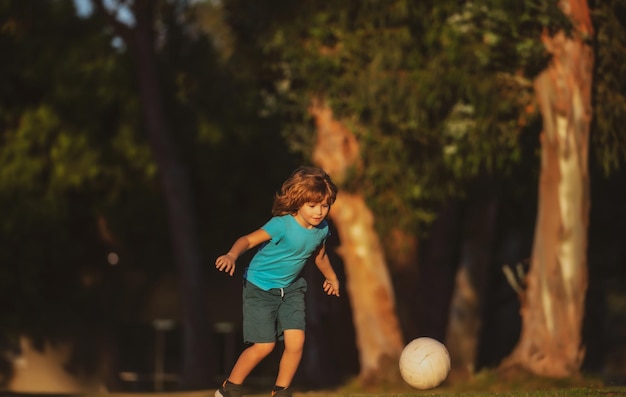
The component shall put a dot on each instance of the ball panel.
(424, 363)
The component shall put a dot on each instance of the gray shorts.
(266, 314)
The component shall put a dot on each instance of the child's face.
(312, 214)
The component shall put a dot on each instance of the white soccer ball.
(424, 363)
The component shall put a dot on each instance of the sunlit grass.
(483, 384)
(590, 391)
(488, 384)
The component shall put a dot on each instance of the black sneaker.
(281, 393)
(228, 390)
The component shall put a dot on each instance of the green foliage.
(77, 175)
(609, 84)
(69, 147)
(39, 149)
(436, 92)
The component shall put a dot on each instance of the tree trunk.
(197, 367)
(438, 263)
(466, 308)
(378, 334)
(553, 303)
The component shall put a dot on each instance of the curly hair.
(305, 185)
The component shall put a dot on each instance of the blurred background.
(478, 146)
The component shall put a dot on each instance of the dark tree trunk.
(330, 354)
(197, 366)
(468, 301)
(439, 255)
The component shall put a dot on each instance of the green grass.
(487, 384)
(483, 384)
(573, 392)
(587, 391)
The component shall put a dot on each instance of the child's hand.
(331, 287)
(226, 263)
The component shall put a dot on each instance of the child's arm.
(331, 284)
(226, 263)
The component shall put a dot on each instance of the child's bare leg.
(289, 362)
(249, 359)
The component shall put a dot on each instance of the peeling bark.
(379, 338)
(552, 306)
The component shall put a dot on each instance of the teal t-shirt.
(279, 260)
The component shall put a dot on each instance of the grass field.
(611, 391)
(483, 385)
(490, 384)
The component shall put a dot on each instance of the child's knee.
(294, 347)
(263, 349)
(294, 340)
